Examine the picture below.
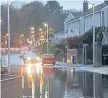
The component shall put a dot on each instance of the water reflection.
(55, 83)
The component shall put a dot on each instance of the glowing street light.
(5, 42)
(7, 34)
(45, 24)
(93, 23)
(42, 36)
(32, 28)
(40, 29)
(22, 35)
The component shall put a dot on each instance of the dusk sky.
(68, 4)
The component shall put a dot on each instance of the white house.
(77, 26)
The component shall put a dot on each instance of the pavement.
(89, 68)
(11, 87)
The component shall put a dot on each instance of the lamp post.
(46, 25)
(8, 39)
(67, 45)
(93, 35)
(40, 31)
(93, 23)
(40, 35)
(94, 48)
(21, 40)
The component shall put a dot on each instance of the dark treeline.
(33, 14)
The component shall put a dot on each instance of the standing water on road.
(55, 83)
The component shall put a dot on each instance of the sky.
(68, 4)
(77, 4)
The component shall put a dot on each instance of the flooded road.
(53, 83)
(56, 83)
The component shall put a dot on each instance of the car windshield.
(48, 55)
(31, 54)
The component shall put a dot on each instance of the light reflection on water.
(53, 83)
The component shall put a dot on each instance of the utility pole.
(46, 25)
(8, 39)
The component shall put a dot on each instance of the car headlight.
(38, 58)
(28, 58)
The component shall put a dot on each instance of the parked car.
(4, 67)
(48, 59)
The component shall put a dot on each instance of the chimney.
(85, 6)
(106, 2)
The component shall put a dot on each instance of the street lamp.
(94, 47)
(93, 35)
(32, 28)
(40, 31)
(46, 25)
(7, 34)
(22, 35)
(93, 24)
(93, 7)
(8, 39)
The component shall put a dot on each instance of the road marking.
(27, 96)
(10, 78)
(6, 88)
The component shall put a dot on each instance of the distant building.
(58, 37)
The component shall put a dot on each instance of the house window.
(102, 18)
(107, 17)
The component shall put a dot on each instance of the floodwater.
(56, 83)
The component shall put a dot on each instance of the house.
(77, 26)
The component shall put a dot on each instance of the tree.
(53, 6)
(24, 16)
(88, 36)
(56, 18)
(59, 50)
(33, 14)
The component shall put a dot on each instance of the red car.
(48, 59)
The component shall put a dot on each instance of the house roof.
(97, 8)
(76, 14)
